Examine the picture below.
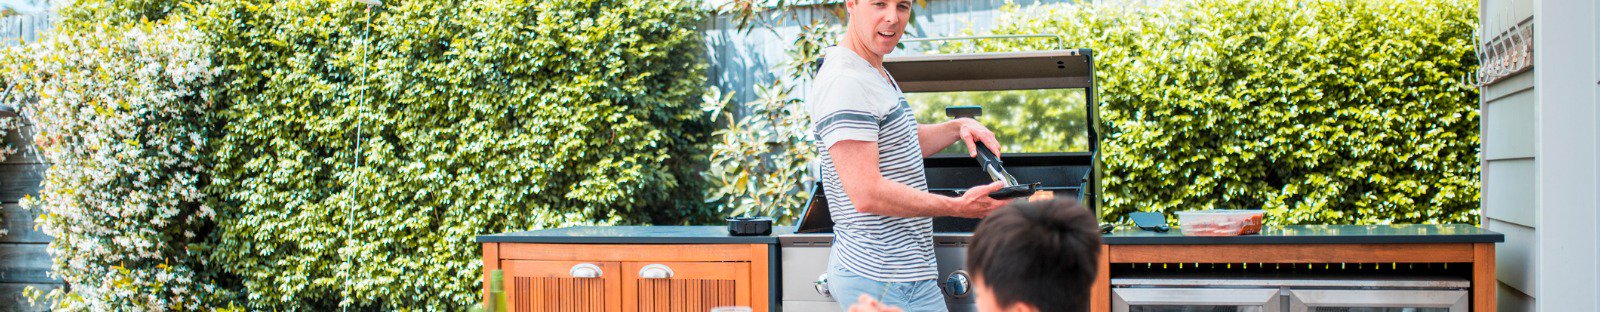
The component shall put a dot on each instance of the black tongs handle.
(992, 165)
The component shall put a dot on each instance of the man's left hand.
(972, 132)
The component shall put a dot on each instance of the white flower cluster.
(121, 115)
(8, 125)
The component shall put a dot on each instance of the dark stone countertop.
(1318, 234)
(1290, 234)
(704, 234)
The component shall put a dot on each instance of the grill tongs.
(990, 162)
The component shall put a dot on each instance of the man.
(871, 155)
(1029, 257)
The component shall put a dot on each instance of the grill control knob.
(822, 285)
(958, 284)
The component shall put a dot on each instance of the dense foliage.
(759, 160)
(74, 16)
(1321, 112)
(123, 116)
(355, 161)
(360, 159)
(1027, 121)
(9, 123)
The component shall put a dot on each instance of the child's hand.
(867, 304)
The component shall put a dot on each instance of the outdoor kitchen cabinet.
(628, 269)
(686, 286)
(546, 285)
(607, 286)
(1301, 268)
(1417, 267)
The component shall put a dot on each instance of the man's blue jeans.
(918, 296)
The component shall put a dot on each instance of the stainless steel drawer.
(1298, 294)
(1362, 300)
(1196, 299)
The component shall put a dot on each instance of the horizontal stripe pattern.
(881, 248)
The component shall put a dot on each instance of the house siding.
(1540, 169)
(1509, 170)
(1564, 56)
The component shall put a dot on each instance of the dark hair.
(1043, 253)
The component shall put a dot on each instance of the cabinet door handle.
(585, 270)
(655, 271)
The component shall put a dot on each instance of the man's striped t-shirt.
(851, 100)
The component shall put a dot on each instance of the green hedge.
(1027, 121)
(472, 118)
(1321, 112)
(80, 16)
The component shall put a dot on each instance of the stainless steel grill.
(803, 256)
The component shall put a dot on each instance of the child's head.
(1035, 256)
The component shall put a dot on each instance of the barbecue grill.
(804, 254)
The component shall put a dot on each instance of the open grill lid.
(1067, 173)
(1054, 69)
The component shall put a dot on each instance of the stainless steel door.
(1196, 299)
(1351, 300)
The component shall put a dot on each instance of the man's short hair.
(1043, 253)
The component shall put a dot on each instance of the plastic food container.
(1220, 222)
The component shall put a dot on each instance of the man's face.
(878, 24)
(986, 302)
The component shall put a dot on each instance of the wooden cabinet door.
(685, 286)
(574, 286)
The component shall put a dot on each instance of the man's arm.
(857, 163)
(935, 137)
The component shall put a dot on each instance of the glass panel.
(1193, 308)
(1025, 121)
(1345, 309)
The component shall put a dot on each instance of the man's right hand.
(975, 203)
